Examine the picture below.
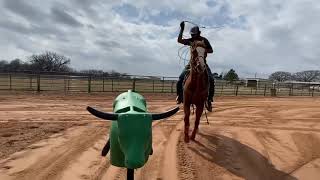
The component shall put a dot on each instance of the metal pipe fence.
(145, 84)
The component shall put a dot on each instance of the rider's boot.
(209, 106)
(179, 98)
(210, 96)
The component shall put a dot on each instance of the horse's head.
(198, 53)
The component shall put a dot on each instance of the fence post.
(89, 84)
(172, 84)
(103, 84)
(134, 85)
(38, 83)
(153, 86)
(30, 81)
(65, 85)
(237, 90)
(10, 82)
(289, 91)
(221, 89)
(68, 84)
(111, 84)
(312, 91)
(162, 84)
(265, 90)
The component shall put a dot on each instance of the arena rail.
(89, 83)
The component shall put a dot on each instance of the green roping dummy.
(130, 138)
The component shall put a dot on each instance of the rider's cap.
(194, 30)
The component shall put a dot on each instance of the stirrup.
(178, 100)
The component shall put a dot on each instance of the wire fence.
(72, 83)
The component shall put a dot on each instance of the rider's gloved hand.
(182, 25)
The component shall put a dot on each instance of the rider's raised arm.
(180, 38)
(208, 46)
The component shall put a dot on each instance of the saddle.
(188, 69)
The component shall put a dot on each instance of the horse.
(195, 88)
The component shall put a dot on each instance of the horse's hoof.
(193, 137)
(186, 138)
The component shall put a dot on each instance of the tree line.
(280, 76)
(49, 62)
(56, 63)
(303, 76)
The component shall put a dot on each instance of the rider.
(195, 35)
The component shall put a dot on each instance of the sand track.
(255, 138)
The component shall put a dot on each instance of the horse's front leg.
(186, 122)
(199, 110)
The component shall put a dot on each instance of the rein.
(195, 59)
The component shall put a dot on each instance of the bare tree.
(281, 76)
(307, 76)
(49, 62)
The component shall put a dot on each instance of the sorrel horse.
(195, 88)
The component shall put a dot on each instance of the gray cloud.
(46, 31)
(90, 26)
(25, 10)
(20, 29)
(108, 44)
(258, 36)
(61, 16)
(86, 6)
(14, 26)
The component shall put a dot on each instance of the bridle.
(197, 58)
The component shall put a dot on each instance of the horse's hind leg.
(186, 123)
(199, 110)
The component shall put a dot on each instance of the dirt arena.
(54, 137)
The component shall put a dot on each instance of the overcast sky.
(139, 37)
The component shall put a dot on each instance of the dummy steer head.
(131, 129)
